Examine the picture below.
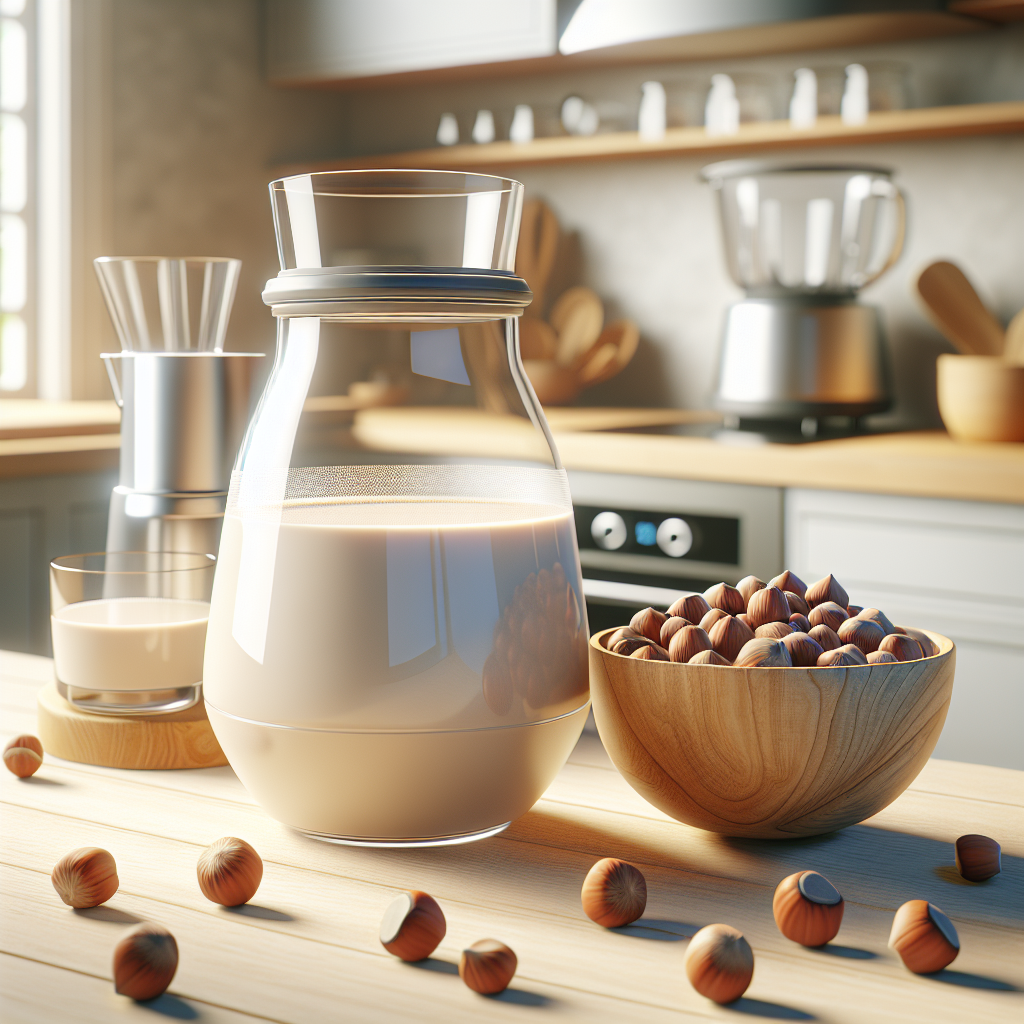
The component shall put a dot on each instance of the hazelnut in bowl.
(752, 742)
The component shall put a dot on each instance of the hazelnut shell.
(412, 926)
(725, 598)
(750, 585)
(800, 623)
(828, 613)
(928, 646)
(768, 605)
(719, 963)
(924, 937)
(796, 603)
(728, 636)
(648, 622)
(651, 652)
(628, 644)
(708, 658)
(614, 893)
(145, 961)
(26, 740)
(487, 966)
(873, 615)
(882, 658)
(774, 630)
(669, 629)
(902, 648)
(711, 618)
(827, 639)
(22, 761)
(978, 858)
(808, 908)
(790, 583)
(862, 633)
(762, 652)
(838, 658)
(803, 650)
(229, 872)
(827, 589)
(85, 877)
(687, 642)
(613, 638)
(691, 607)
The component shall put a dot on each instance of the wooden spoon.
(613, 350)
(958, 312)
(1014, 351)
(536, 251)
(577, 317)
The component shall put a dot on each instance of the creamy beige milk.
(414, 664)
(130, 643)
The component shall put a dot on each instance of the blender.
(397, 646)
(802, 240)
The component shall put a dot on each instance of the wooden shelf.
(888, 126)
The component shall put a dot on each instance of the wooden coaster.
(183, 739)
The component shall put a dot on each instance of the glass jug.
(397, 647)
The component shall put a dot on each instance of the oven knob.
(675, 537)
(608, 530)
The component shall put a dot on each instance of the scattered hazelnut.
(614, 893)
(803, 650)
(774, 630)
(728, 636)
(838, 658)
(828, 613)
(708, 658)
(711, 618)
(903, 648)
(827, 639)
(762, 652)
(808, 908)
(768, 605)
(670, 627)
(827, 589)
(687, 642)
(863, 633)
(619, 634)
(85, 877)
(748, 586)
(978, 858)
(413, 926)
(23, 755)
(800, 623)
(796, 603)
(725, 598)
(790, 583)
(647, 622)
(229, 872)
(144, 962)
(924, 937)
(719, 963)
(487, 966)
(628, 644)
(882, 658)
(873, 615)
(652, 652)
(928, 646)
(692, 607)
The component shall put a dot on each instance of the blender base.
(405, 844)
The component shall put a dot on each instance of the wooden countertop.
(306, 949)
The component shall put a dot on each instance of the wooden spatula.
(958, 312)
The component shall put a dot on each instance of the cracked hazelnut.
(827, 589)
(725, 598)
(762, 652)
(808, 908)
(719, 963)
(487, 966)
(767, 605)
(614, 893)
(692, 607)
(648, 622)
(924, 937)
(413, 926)
(687, 642)
(728, 636)
(978, 858)
(23, 755)
(229, 872)
(144, 962)
(85, 877)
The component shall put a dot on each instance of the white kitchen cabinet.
(953, 566)
(329, 40)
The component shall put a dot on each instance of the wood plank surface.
(306, 948)
(881, 126)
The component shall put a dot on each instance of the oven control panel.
(670, 536)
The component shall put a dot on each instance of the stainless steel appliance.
(802, 240)
(184, 401)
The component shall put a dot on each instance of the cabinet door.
(956, 567)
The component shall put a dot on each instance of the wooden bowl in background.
(981, 398)
(773, 753)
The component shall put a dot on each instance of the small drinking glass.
(129, 629)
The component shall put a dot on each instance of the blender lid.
(384, 290)
(738, 168)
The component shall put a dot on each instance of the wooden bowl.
(772, 753)
(981, 398)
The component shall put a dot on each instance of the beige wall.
(196, 132)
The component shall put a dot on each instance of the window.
(15, 194)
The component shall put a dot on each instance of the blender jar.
(397, 652)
